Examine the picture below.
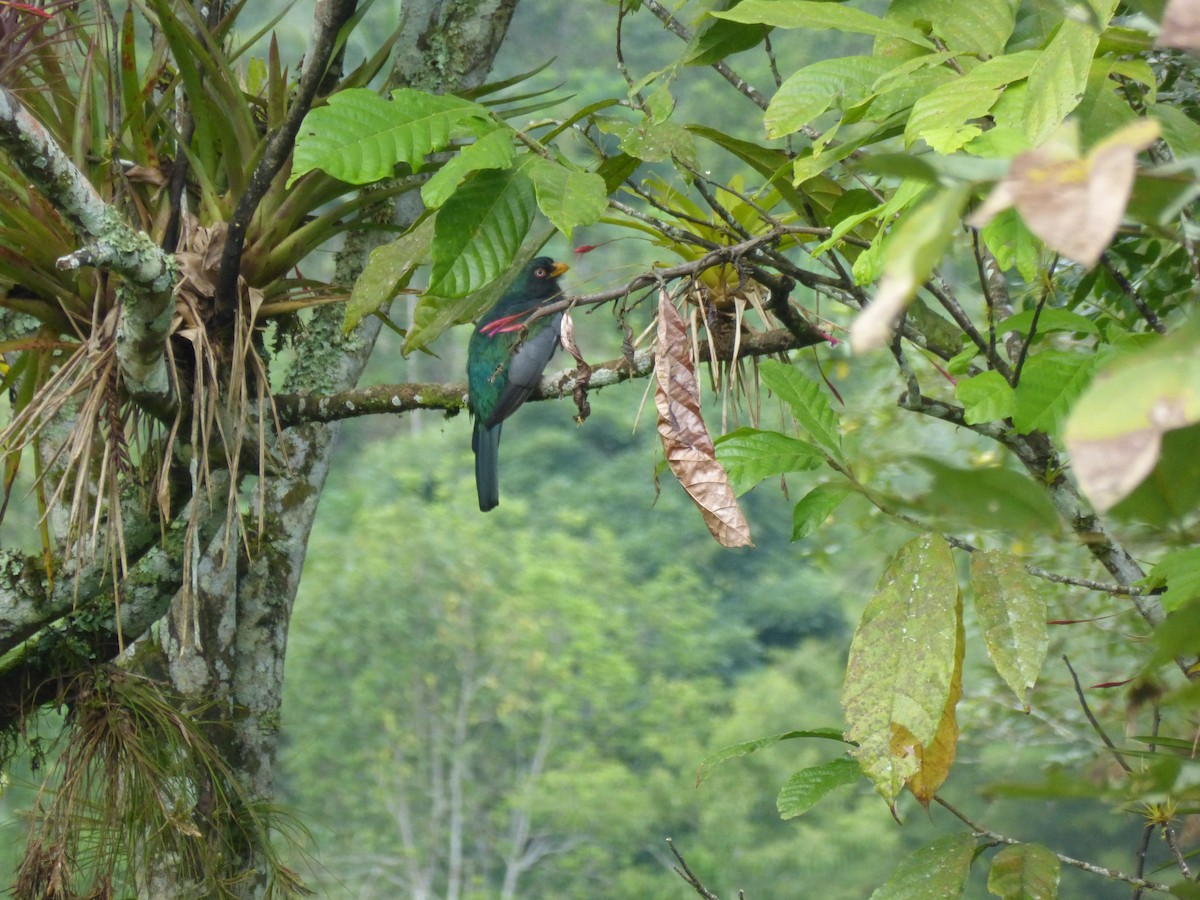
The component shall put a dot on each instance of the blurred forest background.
(527, 694)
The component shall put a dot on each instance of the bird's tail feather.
(486, 444)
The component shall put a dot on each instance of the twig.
(1132, 293)
(1114, 874)
(687, 875)
(1087, 711)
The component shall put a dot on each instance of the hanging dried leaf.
(1074, 204)
(686, 441)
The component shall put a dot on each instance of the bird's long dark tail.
(486, 444)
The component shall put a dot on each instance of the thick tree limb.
(148, 274)
(295, 409)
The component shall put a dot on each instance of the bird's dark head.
(541, 278)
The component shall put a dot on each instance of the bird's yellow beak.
(559, 269)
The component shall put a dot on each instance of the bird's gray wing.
(529, 360)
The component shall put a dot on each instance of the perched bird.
(505, 360)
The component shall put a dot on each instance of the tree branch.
(297, 409)
(148, 274)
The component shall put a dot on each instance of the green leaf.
(810, 91)
(433, 315)
(1178, 130)
(938, 871)
(387, 268)
(1048, 320)
(806, 788)
(988, 498)
(566, 196)
(493, 150)
(986, 397)
(1116, 431)
(749, 455)
(1012, 243)
(747, 747)
(1179, 570)
(807, 401)
(816, 16)
(815, 507)
(981, 26)
(360, 137)
(943, 118)
(716, 39)
(479, 229)
(1012, 615)
(1024, 872)
(1050, 382)
(900, 673)
(1059, 78)
(652, 142)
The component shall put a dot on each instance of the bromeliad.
(505, 360)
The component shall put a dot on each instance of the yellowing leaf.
(900, 677)
(685, 438)
(935, 757)
(1074, 205)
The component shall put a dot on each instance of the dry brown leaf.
(1181, 25)
(1073, 204)
(686, 441)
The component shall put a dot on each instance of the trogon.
(505, 360)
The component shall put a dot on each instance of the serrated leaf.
(750, 455)
(807, 402)
(816, 16)
(900, 673)
(981, 26)
(652, 142)
(686, 442)
(816, 506)
(386, 269)
(747, 747)
(493, 150)
(1024, 872)
(1050, 383)
(806, 788)
(938, 871)
(359, 137)
(1012, 615)
(986, 397)
(568, 197)
(479, 230)
(829, 84)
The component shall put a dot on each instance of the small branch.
(1113, 874)
(687, 875)
(1107, 587)
(1134, 296)
(1087, 711)
(328, 20)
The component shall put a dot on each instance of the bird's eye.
(539, 273)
